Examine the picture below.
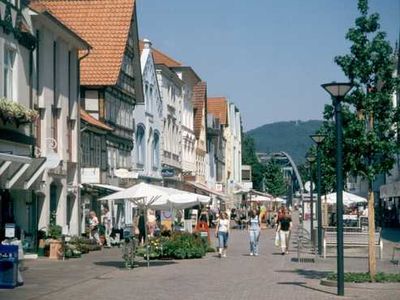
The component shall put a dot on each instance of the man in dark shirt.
(284, 227)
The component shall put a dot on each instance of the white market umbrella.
(280, 200)
(348, 198)
(145, 196)
(186, 200)
(142, 194)
(259, 198)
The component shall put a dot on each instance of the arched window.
(156, 150)
(140, 145)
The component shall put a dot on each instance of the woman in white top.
(254, 232)
(222, 233)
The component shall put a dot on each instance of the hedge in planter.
(185, 245)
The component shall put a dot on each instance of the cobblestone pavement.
(100, 275)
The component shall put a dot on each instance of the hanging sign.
(10, 230)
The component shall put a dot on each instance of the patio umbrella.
(144, 196)
(259, 198)
(348, 198)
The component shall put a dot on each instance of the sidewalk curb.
(364, 285)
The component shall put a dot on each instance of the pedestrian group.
(282, 222)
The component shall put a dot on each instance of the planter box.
(55, 250)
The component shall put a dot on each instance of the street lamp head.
(337, 89)
(318, 138)
(310, 158)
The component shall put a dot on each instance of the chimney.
(147, 44)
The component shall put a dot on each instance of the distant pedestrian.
(107, 222)
(94, 227)
(142, 228)
(254, 232)
(222, 233)
(284, 227)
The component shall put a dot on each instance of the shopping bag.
(277, 239)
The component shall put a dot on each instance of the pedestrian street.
(101, 275)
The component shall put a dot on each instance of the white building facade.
(190, 79)
(56, 90)
(148, 117)
(172, 97)
(40, 171)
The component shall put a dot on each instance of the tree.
(369, 117)
(249, 157)
(274, 180)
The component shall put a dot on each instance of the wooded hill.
(292, 137)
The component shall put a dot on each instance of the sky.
(269, 57)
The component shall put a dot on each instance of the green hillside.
(292, 137)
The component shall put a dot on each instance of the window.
(85, 144)
(9, 60)
(151, 100)
(140, 142)
(97, 151)
(156, 150)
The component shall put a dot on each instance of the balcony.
(171, 159)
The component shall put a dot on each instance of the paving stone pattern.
(100, 275)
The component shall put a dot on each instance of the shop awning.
(205, 189)
(20, 172)
(106, 187)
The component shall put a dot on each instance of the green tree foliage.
(274, 181)
(249, 157)
(369, 118)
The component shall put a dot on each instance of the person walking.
(222, 233)
(142, 229)
(107, 223)
(254, 232)
(284, 227)
(94, 227)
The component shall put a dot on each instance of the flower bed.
(84, 245)
(365, 277)
(179, 245)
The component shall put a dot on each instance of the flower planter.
(14, 112)
(55, 249)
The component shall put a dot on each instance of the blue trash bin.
(8, 266)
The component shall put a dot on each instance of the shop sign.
(10, 230)
(90, 175)
(219, 187)
(124, 173)
(167, 172)
(247, 185)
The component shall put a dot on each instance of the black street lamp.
(311, 159)
(318, 139)
(338, 91)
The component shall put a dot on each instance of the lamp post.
(338, 91)
(318, 139)
(311, 159)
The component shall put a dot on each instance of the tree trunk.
(371, 239)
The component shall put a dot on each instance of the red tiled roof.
(218, 107)
(42, 9)
(105, 26)
(199, 100)
(93, 121)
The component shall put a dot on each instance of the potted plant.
(54, 233)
